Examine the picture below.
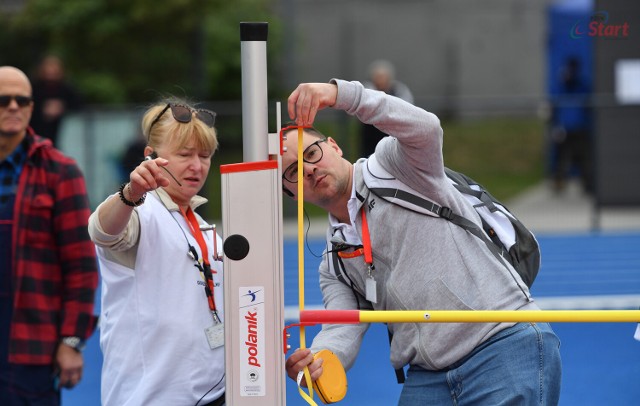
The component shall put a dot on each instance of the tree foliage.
(119, 51)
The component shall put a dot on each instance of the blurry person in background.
(53, 97)
(161, 326)
(571, 128)
(131, 156)
(48, 266)
(382, 77)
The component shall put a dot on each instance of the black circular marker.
(236, 247)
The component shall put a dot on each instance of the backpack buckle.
(446, 213)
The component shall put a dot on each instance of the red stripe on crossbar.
(330, 316)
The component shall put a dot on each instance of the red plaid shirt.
(55, 271)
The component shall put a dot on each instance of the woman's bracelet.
(127, 201)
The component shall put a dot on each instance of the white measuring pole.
(253, 243)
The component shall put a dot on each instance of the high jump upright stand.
(253, 244)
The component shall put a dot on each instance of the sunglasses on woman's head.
(184, 114)
(23, 101)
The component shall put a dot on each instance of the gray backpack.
(505, 235)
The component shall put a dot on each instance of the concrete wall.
(451, 53)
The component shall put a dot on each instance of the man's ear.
(333, 144)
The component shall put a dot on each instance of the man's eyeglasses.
(311, 155)
(23, 101)
(183, 114)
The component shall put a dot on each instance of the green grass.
(505, 155)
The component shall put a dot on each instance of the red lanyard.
(197, 234)
(370, 283)
(366, 241)
(206, 268)
(366, 245)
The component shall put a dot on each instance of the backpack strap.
(479, 194)
(338, 245)
(337, 267)
(449, 215)
(439, 211)
(463, 184)
(399, 372)
(394, 193)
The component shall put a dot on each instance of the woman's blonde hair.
(166, 129)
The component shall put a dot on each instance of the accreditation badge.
(215, 335)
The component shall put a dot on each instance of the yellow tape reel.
(332, 384)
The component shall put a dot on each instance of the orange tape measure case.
(332, 384)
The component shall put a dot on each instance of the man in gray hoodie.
(418, 262)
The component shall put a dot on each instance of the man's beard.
(330, 191)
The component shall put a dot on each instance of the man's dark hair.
(310, 130)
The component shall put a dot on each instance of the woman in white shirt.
(161, 323)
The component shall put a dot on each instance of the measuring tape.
(332, 384)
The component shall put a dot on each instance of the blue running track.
(579, 271)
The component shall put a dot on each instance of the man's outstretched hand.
(308, 98)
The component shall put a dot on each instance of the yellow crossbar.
(310, 317)
(484, 316)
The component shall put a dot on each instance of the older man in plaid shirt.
(48, 268)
